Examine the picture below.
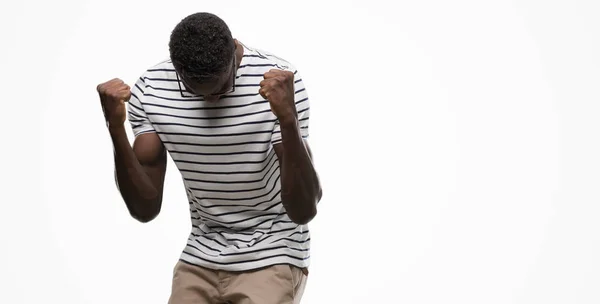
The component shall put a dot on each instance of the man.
(235, 120)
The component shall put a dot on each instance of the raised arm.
(139, 170)
(300, 186)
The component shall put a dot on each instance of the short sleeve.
(302, 108)
(136, 114)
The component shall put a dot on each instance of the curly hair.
(201, 46)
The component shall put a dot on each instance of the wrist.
(115, 129)
(288, 121)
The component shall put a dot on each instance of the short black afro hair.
(201, 46)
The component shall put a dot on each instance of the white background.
(458, 143)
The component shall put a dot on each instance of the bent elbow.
(303, 220)
(304, 217)
(144, 217)
(144, 211)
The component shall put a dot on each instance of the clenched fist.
(113, 95)
(278, 88)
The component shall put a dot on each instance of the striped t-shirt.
(225, 154)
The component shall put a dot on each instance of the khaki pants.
(278, 284)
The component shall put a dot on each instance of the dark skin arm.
(300, 186)
(140, 173)
(139, 170)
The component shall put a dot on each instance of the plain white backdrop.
(458, 143)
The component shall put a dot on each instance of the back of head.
(201, 46)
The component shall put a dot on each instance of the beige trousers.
(278, 284)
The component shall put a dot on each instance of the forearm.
(301, 189)
(135, 185)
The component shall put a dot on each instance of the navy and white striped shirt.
(225, 154)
